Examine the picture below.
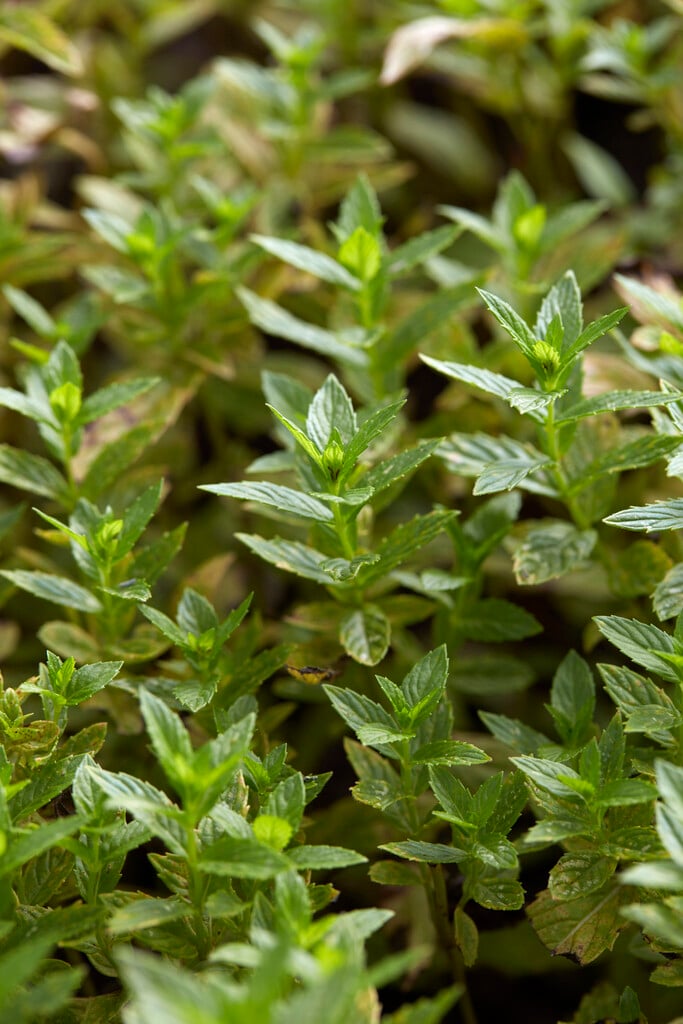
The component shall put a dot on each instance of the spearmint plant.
(577, 462)
(365, 274)
(335, 494)
(182, 219)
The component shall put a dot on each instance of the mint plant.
(183, 221)
(336, 493)
(568, 427)
(364, 272)
(53, 399)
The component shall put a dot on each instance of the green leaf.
(511, 322)
(583, 928)
(594, 331)
(57, 589)
(169, 738)
(146, 913)
(359, 711)
(641, 642)
(18, 402)
(30, 311)
(563, 299)
(489, 674)
(549, 775)
(46, 781)
(365, 634)
(493, 620)
(416, 250)
(578, 874)
(497, 893)
(624, 792)
(658, 920)
(647, 707)
(485, 380)
(331, 409)
(449, 752)
(359, 208)
(299, 436)
(551, 550)
(466, 936)
(89, 680)
(242, 858)
(113, 396)
(29, 844)
(286, 499)
(372, 427)
(289, 555)
(32, 473)
(427, 678)
(273, 319)
(641, 452)
(613, 401)
(514, 733)
(328, 858)
(660, 515)
(667, 599)
(500, 463)
(27, 28)
(304, 258)
(478, 225)
(670, 785)
(572, 698)
(429, 853)
(361, 253)
(165, 625)
(404, 541)
(398, 466)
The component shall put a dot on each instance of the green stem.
(197, 894)
(441, 919)
(553, 450)
(435, 888)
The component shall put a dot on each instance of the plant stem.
(437, 897)
(441, 919)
